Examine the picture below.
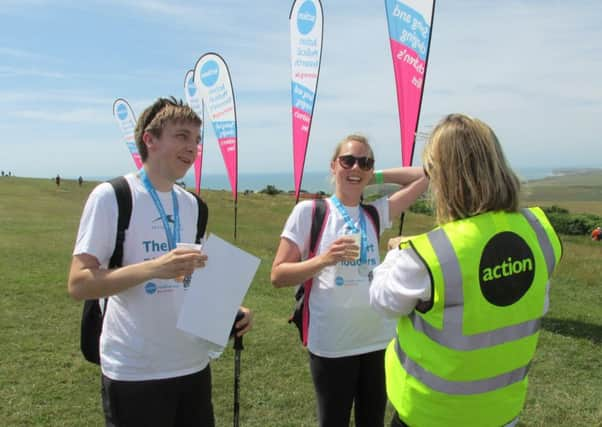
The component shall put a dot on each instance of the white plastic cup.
(191, 246)
(357, 240)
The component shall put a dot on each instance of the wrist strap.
(378, 177)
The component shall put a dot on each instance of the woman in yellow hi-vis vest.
(470, 294)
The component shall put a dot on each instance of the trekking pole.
(238, 347)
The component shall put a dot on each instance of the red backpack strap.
(319, 214)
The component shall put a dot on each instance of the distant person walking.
(80, 181)
(597, 234)
(57, 180)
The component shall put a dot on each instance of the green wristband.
(378, 177)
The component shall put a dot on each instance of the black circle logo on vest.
(507, 269)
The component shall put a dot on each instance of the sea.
(312, 181)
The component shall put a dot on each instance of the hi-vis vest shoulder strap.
(465, 358)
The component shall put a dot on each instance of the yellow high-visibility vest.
(462, 358)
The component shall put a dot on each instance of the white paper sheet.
(217, 290)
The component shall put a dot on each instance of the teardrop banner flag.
(212, 79)
(195, 102)
(410, 24)
(126, 119)
(306, 20)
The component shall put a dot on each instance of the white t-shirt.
(399, 283)
(140, 340)
(342, 323)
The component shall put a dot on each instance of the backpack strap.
(373, 215)
(124, 206)
(319, 214)
(123, 194)
(201, 221)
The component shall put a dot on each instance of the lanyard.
(351, 225)
(173, 235)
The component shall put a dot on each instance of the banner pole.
(305, 74)
(235, 216)
(410, 63)
(212, 77)
(426, 64)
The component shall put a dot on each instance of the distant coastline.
(557, 172)
(575, 171)
(320, 181)
(312, 181)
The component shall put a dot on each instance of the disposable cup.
(191, 246)
(357, 240)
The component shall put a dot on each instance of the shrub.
(422, 206)
(271, 190)
(571, 224)
(555, 210)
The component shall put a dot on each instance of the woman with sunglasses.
(346, 338)
(470, 294)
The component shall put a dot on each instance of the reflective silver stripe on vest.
(542, 238)
(451, 335)
(458, 387)
(458, 341)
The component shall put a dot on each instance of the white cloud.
(29, 97)
(530, 69)
(80, 117)
(11, 72)
(19, 53)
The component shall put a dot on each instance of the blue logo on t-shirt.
(150, 288)
(339, 281)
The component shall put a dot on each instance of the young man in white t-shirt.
(152, 373)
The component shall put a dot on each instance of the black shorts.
(180, 401)
(343, 383)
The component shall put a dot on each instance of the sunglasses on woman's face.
(347, 161)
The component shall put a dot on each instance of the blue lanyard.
(173, 235)
(351, 225)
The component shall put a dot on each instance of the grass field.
(44, 381)
(580, 193)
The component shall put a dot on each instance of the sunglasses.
(347, 161)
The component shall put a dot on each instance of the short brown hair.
(469, 173)
(154, 118)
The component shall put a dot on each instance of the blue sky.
(531, 69)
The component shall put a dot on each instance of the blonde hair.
(353, 137)
(154, 118)
(469, 173)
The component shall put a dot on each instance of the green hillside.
(44, 380)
